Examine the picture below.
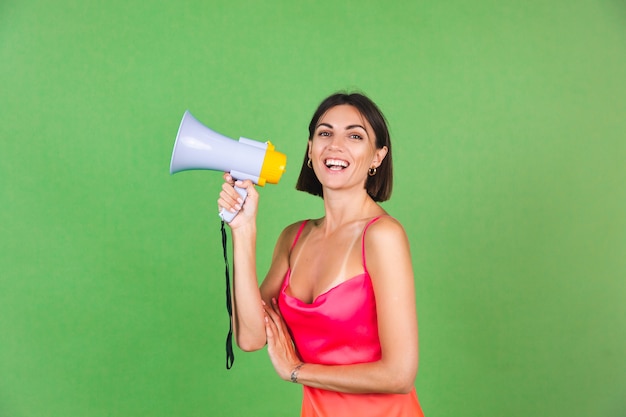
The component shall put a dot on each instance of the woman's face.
(343, 148)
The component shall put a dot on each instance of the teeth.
(336, 163)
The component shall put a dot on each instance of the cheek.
(315, 148)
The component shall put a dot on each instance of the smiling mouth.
(336, 164)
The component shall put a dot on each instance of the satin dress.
(340, 328)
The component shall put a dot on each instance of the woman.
(337, 307)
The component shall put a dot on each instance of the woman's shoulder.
(385, 223)
(384, 230)
(290, 232)
(293, 228)
(386, 243)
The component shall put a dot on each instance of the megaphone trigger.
(228, 216)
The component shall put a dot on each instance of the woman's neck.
(341, 208)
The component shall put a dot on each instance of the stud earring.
(372, 171)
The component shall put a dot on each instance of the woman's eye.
(323, 133)
(356, 136)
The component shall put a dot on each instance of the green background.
(508, 120)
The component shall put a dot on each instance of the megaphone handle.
(228, 216)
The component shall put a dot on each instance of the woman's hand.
(280, 347)
(231, 201)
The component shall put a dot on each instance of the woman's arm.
(248, 315)
(389, 264)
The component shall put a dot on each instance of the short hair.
(378, 186)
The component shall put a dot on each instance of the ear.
(379, 156)
(308, 152)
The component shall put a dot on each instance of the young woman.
(337, 307)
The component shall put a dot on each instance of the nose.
(336, 142)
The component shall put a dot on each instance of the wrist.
(295, 371)
(244, 231)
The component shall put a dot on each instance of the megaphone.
(198, 147)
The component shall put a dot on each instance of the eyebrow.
(347, 127)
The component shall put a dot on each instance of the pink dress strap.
(300, 229)
(363, 242)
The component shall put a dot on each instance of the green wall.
(508, 120)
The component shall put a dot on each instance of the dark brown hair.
(378, 186)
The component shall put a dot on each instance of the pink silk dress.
(340, 327)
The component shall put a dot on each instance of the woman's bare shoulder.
(288, 235)
(386, 227)
(387, 237)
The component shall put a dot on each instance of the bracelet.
(294, 373)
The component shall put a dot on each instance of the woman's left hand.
(280, 346)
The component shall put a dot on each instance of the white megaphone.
(198, 147)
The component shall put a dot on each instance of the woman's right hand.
(231, 201)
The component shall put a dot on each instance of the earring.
(372, 171)
(309, 163)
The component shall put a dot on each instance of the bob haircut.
(378, 186)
